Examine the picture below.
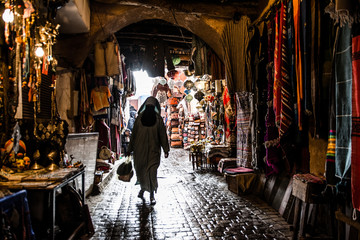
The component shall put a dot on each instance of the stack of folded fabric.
(174, 127)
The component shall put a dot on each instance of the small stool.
(307, 190)
(197, 159)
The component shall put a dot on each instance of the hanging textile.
(286, 90)
(271, 134)
(260, 97)
(112, 52)
(343, 81)
(157, 51)
(217, 69)
(282, 89)
(235, 40)
(305, 27)
(315, 65)
(243, 124)
(104, 134)
(355, 135)
(330, 153)
(229, 116)
(200, 56)
(86, 118)
(99, 97)
(298, 61)
(115, 139)
(291, 58)
(160, 92)
(277, 68)
(106, 56)
(99, 58)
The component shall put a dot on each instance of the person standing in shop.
(147, 139)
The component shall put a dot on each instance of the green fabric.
(146, 143)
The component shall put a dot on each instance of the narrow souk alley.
(190, 205)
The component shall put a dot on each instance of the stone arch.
(108, 19)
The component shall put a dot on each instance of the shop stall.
(34, 164)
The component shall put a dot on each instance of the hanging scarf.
(291, 58)
(305, 34)
(286, 103)
(330, 154)
(298, 64)
(343, 80)
(277, 67)
(315, 64)
(355, 135)
(271, 135)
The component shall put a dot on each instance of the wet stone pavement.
(190, 205)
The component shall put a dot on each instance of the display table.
(42, 180)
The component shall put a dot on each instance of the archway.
(72, 50)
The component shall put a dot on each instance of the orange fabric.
(100, 97)
(298, 66)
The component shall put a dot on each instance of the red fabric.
(355, 135)
(229, 114)
(228, 111)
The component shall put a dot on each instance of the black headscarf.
(148, 111)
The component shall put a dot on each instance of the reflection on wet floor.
(190, 205)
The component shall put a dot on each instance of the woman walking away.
(147, 139)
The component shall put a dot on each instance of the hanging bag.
(125, 170)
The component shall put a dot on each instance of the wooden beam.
(128, 34)
(225, 10)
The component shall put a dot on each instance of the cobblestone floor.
(190, 205)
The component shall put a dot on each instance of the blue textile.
(343, 94)
(18, 202)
